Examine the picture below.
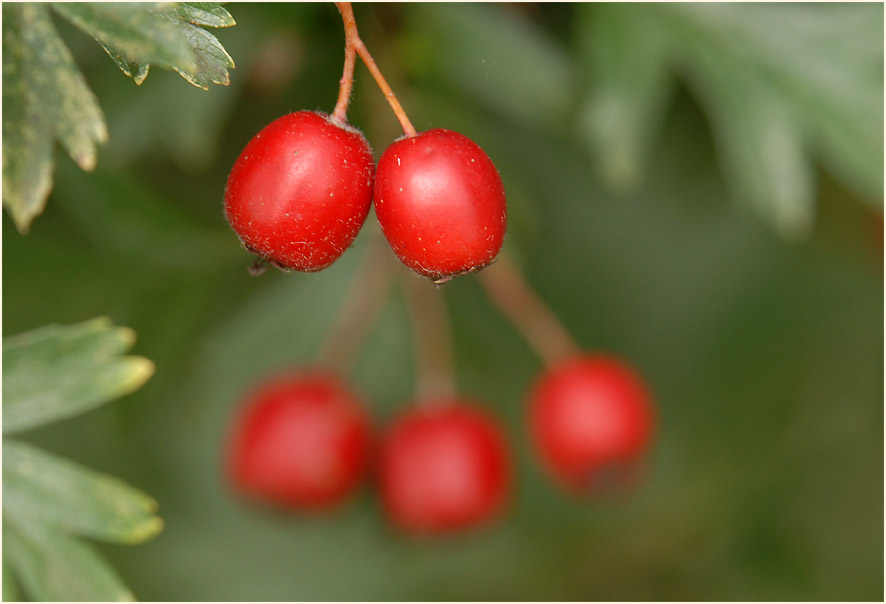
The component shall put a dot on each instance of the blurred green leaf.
(778, 82)
(624, 50)
(44, 97)
(57, 372)
(760, 141)
(823, 63)
(489, 52)
(53, 491)
(10, 584)
(53, 567)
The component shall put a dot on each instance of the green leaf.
(139, 32)
(212, 60)
(44, 96)
(207, 14)
(49, 490)
(55, 567)
(27, 137)
(626, 56)
(57, 372)
(137, 72)
(136, 36)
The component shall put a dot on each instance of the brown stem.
(536, 321)
(345, 85)
(353, 44)
(433, 343)
(362, 304)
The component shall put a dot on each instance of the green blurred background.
(723, 234)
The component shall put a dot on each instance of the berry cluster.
(303, 440)
(297, 197)
(301, 189)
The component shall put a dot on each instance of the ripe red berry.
(441, 204)
(443, 467)
(301, 440)
(300, 190)
(591, 419)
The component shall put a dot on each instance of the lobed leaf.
(138, 32)
(44, 96)
(53, 567)
(57, 372)
(137, 36)
(41, 488)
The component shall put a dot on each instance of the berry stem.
(363, 302)
(354, 45)
(345, 85)
(433, 343)
(511, 293)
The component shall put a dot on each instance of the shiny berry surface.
(300, 440)
(300, 191)
(444, 467)
(441, 203)
(591, 418)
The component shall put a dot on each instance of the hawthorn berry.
(300, 190)
(301, 440)
(591, 419)
(441, 203)
(443, 467)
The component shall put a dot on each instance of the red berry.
(443, 467)
(300, 191)
(301, 440)
(441, 204)
(591, 419)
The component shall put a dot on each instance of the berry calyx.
(441, 204)
(300, 190)
(301, 440)
(443, 467)
(591, 420)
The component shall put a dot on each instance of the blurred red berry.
(300, 440)
(444, 467)
(591, 419)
